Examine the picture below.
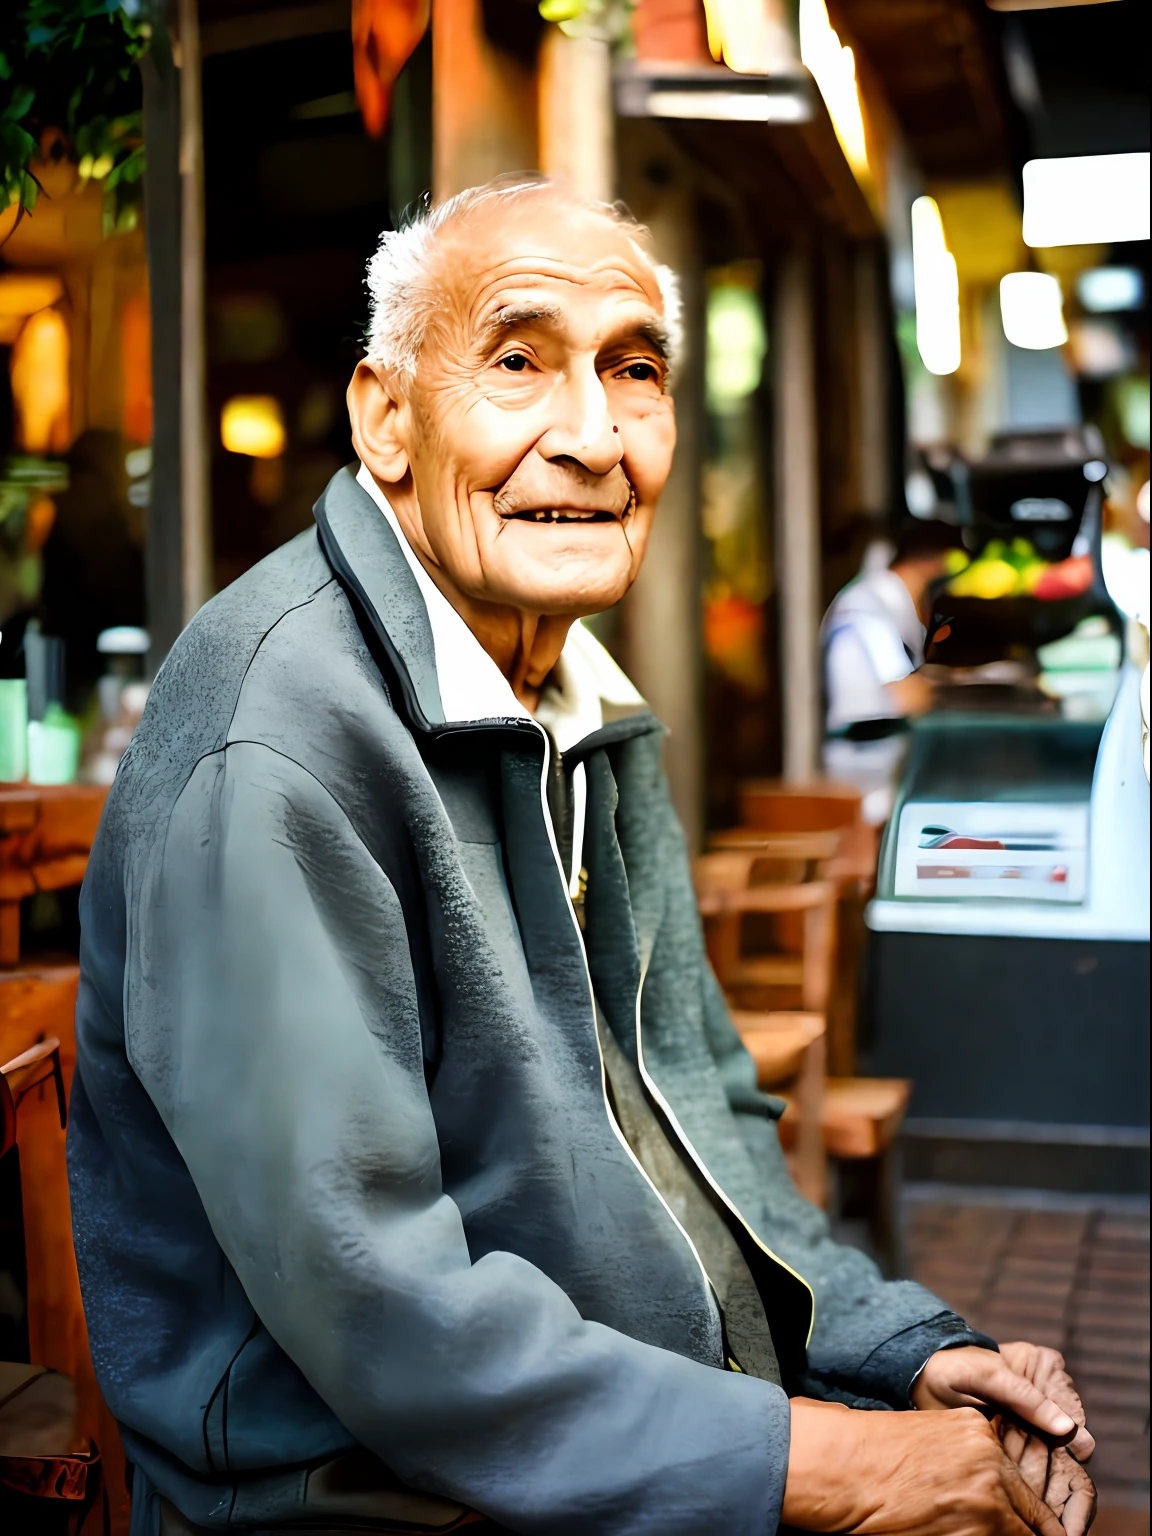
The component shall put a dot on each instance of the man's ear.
(380, 417)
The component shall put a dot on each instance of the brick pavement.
(1073, 1279)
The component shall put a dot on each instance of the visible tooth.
(540, 516)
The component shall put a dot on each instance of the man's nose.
(583, 429)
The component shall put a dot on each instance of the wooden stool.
(860, 1122)
(788, 1049)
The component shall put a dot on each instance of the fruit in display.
(987, 577)
(1014, 569)
(1068, 579)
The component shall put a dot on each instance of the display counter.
(1009, 968)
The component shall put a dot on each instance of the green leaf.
(20, 101)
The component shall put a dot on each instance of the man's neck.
(525, 646)
(917, 577)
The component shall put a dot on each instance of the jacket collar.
(446, 678)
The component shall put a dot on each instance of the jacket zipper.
(710, 1289)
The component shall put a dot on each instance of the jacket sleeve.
(872, 1337)
(272, 1019)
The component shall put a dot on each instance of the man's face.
(538, 431)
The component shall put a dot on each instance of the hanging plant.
(68, 80)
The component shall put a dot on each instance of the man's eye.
(644, 373)
(515, 362)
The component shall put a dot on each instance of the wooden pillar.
(483, 103)
(660, 642)
(178, 555)
(163, 554)
(873, 425)
(576, 114)
(797, 513)
(196, 508)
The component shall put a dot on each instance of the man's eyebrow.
(511, 315)
(656, 334)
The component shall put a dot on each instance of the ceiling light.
(1086, 200)
(833, 67)
(937, 290)
(1108, 290)
(731, 106)
(1032, 310)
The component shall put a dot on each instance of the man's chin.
(572, 591)
(561, 569)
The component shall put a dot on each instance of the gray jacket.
(343, 1170)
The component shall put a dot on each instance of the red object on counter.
(1068, 579)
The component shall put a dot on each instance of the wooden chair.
(787, 1045)
(859, 1118)
(51, 1473)
(774, 807)
(728, 894)
(45, 838)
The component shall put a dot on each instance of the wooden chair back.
(776, 805)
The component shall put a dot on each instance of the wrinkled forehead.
(587, 265)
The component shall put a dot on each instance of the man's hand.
(1024, 1381)
(1024, 1385)
(905, 1474)
(913, 695)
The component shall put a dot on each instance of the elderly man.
(418, 1174)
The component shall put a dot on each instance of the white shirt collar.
(472, 687)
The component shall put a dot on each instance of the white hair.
(402, 294)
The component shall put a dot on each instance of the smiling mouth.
(565, 515)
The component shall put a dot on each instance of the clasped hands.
(1005, 1461)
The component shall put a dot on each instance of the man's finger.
(1082, 1444)
(1080, 1510)
(1070, 1493)
(1031, 1509)
(1000, 1386)
(1047, 1369)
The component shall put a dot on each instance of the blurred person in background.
(873, 640)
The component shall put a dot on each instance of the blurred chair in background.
(781, 900)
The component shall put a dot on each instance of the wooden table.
(46, 835)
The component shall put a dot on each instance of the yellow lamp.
(21, 295)
(254, 425)
(40, 388)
